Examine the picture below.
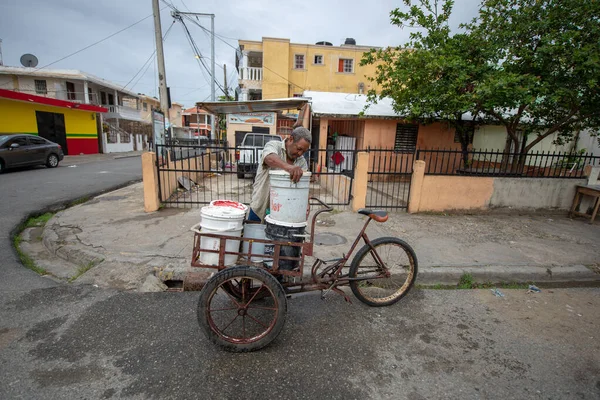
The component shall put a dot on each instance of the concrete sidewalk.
(111, 242)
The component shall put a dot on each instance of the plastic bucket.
(284, 232)
(288, 199)
(226, 221)
(254, 231)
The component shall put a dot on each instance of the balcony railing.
(124, 112)
(251, 73)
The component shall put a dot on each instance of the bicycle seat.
(377, 215)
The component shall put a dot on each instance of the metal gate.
(192, 175)
(389, 177)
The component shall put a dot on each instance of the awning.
(233, 107)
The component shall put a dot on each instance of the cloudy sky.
(53, 29)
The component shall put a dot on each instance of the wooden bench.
(586, 190)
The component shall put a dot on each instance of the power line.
(99, 41)
(148, 60)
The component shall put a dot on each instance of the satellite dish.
(29, 60)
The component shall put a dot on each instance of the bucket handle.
(197, 230)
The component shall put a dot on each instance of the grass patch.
(40, 220)
(25, 259)
(80, 201)
(83, 270)
(466, 281)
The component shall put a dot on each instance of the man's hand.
(295, 173)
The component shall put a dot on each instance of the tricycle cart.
(243, 307)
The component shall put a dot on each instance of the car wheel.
(52, 161)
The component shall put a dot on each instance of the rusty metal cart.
(243, 307)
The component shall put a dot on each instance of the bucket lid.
(271, 220)
(229, 203)
(223, 212)
(280, 172)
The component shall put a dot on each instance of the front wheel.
(248, 320)
(387, 270)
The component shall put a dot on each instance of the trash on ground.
(497, 293)
(533, 289)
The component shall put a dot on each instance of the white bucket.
(288, 199)
(229, 203)
(254, 231)
(226, 221)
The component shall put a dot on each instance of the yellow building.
(275, 68)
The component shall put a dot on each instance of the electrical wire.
(99, 41)
(148, 60)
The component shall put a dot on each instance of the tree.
(430, 78)
(529, 65)
(547, 65)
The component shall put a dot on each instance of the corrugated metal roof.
(232, 107)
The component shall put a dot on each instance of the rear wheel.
(52, 161)
(389, 269)
(248, 320)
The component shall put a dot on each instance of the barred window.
(40, 86)
(406, 138)
(299, 61)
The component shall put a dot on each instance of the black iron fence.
(389, 175)
(496, 163)
(193, 175)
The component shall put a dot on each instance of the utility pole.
(225, 82)
(1, 63)
(160, 58)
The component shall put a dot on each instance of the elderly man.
(286, 155)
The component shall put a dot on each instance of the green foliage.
(466, 281)
(529, 65)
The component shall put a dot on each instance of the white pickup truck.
(249, 152)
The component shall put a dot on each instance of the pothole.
(329, 239)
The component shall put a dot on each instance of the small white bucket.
(254, 231)
(288, 199)
(226, 221)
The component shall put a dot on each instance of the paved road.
(62, 341)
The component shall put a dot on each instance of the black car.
(25, 150)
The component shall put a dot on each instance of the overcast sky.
(53, 29)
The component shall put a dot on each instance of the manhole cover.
(329, 239)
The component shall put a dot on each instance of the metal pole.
(212, 52)
(225, 82)
(160, 58)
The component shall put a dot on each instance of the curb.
(563, 275)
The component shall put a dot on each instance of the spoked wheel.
(389, 268)
(248, 322)
(52, 161)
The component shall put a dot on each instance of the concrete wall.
(441, 193)
(493, 138)
(534, 192)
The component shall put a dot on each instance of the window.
(346, 65)
(40, 87)
(37, 140)
(90, 95)
(70, 91)
(470, 131)
(21, 141)
(319, 59)
(406, 138)
(145, 106)
(299, 61)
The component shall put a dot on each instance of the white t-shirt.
(261, 189)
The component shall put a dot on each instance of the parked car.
(248, 154)
(23, 150)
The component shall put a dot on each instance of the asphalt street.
(64, 341)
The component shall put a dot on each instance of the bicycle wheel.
(247, 323)
(389, 268)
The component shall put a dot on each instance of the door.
(16, 156)
(38, 147)
(51, 126)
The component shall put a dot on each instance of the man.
(286, 155)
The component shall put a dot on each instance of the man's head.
(299, 143)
